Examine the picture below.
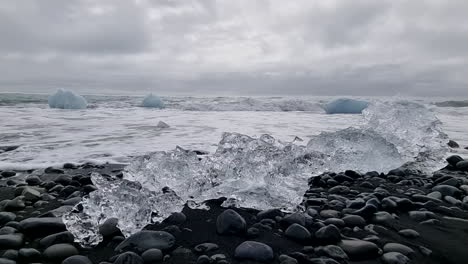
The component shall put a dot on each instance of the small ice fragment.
(161, 125)
(66, 99)
(152, 101)
(345, 106)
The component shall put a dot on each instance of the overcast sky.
(326, 47)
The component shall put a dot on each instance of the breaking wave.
(259, 172)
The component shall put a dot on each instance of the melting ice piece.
(345, 106)
(162, 125)
(152, 101)
(66, 99)
(258, 173)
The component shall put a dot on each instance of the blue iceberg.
(345, 106)
(65, 99)
(152, 101)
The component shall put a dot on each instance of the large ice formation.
(66, 99)
(345, 106)
(256, 172)
(152, 101)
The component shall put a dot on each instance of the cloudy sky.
(346, 47)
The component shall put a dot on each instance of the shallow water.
(113, 129)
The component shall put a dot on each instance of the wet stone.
(256, 251)
(329, 234)
(128, 258)
(59, 252)
(297, 232)
(144, 240)
(230, 222)
(152, 255)
(77, 259)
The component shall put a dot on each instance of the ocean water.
(116, 129)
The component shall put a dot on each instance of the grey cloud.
(226, 47)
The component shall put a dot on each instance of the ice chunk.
(66, 99)
(152, 101)
(258, 173)
(162, 125)
(345, 106)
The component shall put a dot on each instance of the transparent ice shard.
(257, 173)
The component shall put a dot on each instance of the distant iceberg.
(345, 106)
(152, 101)
(65, 99)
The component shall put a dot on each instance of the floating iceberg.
(66, 99)
(345, 106)
(152, 101)
(257, 173)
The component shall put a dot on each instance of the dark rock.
(11, 241)
(332, 251)
(256, 251)
(453, 144)
(253, 232)
(462, 165)
(31, 194)
(44, 226)
(321, 261)
(205, 247)
(334, 221)
(51, 170)
(367, 211)
(297, 232)
(396, 247)
(330, 213)
(63, 180)
(395, 258)
(176, 218)
(329, 234)
(29, 255)
(6, 230)
(409, 233)
(295, 218)
(181, 255)
(359, 249)
(7, 174)
(230, 222)
(6, 217)
(421, 215)
(16, 204)
(109, 227)
(152, 255)
(67, 190)
(69, 166)
(354, 220)
(340, 189)
(269, 214)
(356, 203)
(7, 261)
(11, 254)
(128, 258)
(33, 180)
(59, 238)
(204, 259)
(72, 201)
(447, 190)
(59, 252)
(77, 259)
(144, 240)
(397, 172)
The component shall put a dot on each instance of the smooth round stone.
(285, 259)
(60, 252)
(29, 255)
(152, 255)
(329, 234)
(59, 238)
(33, 180)
(204, 259)
(296, 218)
(42, 226)
(446, 190)
(11, 241)
(269, 214)
(7, 261)
(10, 254)
(356, 203)
(128, 258)
(176, 218)
(6, 217)
(330, 214)
(6, 230)
(383, 218)
(77, 259)
(253, 232)
(340, 189)
(354, 220)
(144, 240)
(463, 165)
(395, 258)
(454, 159)
(205, 247)
(359, 249)
(230, 222)
(421, 215)
(297, 232)
(397, 247)
(435, 195)
(409, 233)
(334, 221)
(334, 252)
(109, 227)
(256, 251)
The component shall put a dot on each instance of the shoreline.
(339, 208)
